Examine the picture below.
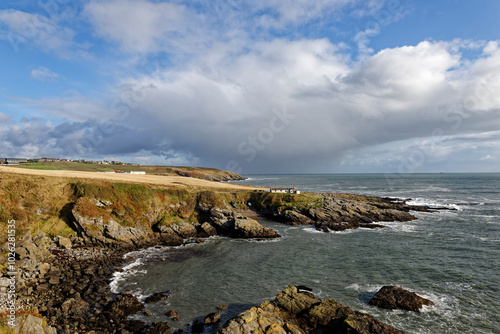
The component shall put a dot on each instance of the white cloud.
(143, 26)
(72, 109)
(29, 30)
(294, 12)
(4, 118)
(43, 74)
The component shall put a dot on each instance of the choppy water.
(450, 257)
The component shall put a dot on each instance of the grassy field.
(197, 172)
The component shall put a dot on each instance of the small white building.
(136, 172)
(284, 190)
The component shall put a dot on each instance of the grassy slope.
(198, 172)
(44, 202)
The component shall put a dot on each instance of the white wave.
(313, 229)
(364, 287)
(126, 271)
(433, 204)
(140, 257)
(404, 227)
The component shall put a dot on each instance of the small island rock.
(393, 297)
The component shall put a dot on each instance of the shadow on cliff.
(66, 215)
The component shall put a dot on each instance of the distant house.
(136, 172)
(284, 190)
(12, 161)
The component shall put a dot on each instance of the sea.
(451, 257)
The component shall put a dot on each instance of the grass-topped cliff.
(39, 203)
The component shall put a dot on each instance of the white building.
(136, 172)
(284, 190)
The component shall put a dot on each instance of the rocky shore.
(65, 280)
(296, 310)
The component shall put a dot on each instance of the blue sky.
(396, 86)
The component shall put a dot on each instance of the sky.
(262, 86)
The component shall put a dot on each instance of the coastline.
(51, 260)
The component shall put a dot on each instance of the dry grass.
(172, 181)
(197, 172)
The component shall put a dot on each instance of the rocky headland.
(72, 235)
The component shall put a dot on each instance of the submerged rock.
(295, 311)
(393, 297)
(156, 297)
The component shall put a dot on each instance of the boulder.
(393, 297)
(250, 228)
(206, 230)
(212, 318)
(184, 230)
(222, 220)
(114, 231)
(64, 243)
(171, 313)
(159, 328)
(297, 311)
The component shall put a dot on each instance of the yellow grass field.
(174, 181)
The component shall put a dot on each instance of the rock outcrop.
(297, 311)
(235, 225)
(393, 297)
(338, 212)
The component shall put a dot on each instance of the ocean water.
(451, 257)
